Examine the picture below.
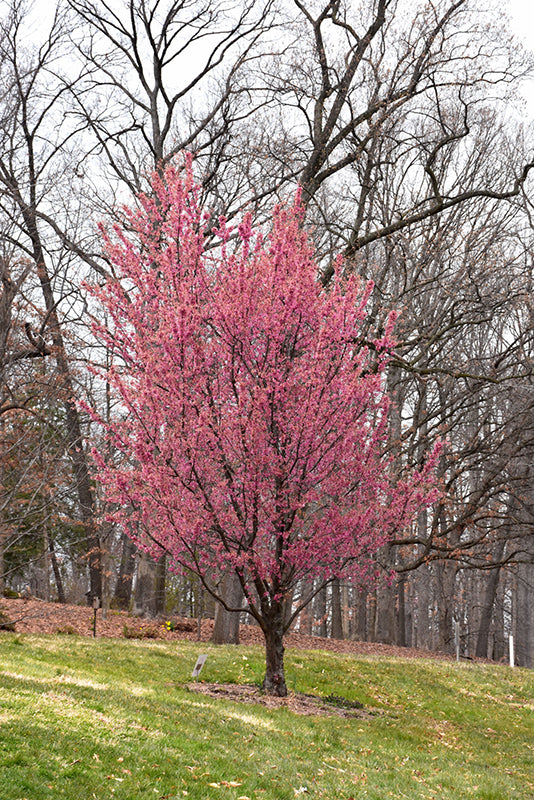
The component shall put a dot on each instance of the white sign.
(201, 660)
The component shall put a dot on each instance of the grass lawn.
(88, 719)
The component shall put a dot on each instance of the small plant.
(169, 625)
(11, 594)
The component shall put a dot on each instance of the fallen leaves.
(37, 616)
(229, 784)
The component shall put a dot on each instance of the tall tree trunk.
(57, 573)
(385, 613)
(523, 627)
(401, 612)
(499, 647)
(371, 615)
(360, 631)
(409, 611)
(345, 616)
(46, 563)
(422, 590)
(488, 604)
(337, 616)
(3, 528)
(160, 585)
(145, 599)
(75, 441)
(306, 615)
(123, 588)
(3, 541)
(320, 612)
(445, 580)
(226, 623)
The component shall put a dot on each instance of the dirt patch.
(297, 702)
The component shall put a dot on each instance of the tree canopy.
(254, 415)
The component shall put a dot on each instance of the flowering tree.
(254, 419)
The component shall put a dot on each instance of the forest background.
(404, 125)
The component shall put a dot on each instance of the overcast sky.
(521, 13)
(522, 23)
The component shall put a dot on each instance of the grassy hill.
(99, 719)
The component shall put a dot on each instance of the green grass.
(87, 719)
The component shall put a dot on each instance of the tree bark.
(488, 604)
(498, 648)
(523, 627)
(123, 589)
(401, 612)
(445, 580)
(75, 440)
(145, 600)
(57, 574)
(226, 624)
(337, 617)
(3, 541)
(160, 586)
(320, 613)
(306, 615)
(360, 631)
(274, 682)
(385, 613)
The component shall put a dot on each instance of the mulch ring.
(297, 702)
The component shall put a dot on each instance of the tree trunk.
(160, 586)
(274, 682)
(345, 615)
(57, 574)
(123, 589)
(226, 624)
(145, 599)
(523, 628)
(400, 636)
(288, 607)
(306, 615)
(360, 631)
(3, 540)
(423, 593)
(492, 583)
(337, 617)
(445, 581)
(385, 614)
(320, 613)
(4, 535)
(75, 440)
(371, 616)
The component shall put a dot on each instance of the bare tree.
(164, 77)
(34, 144)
